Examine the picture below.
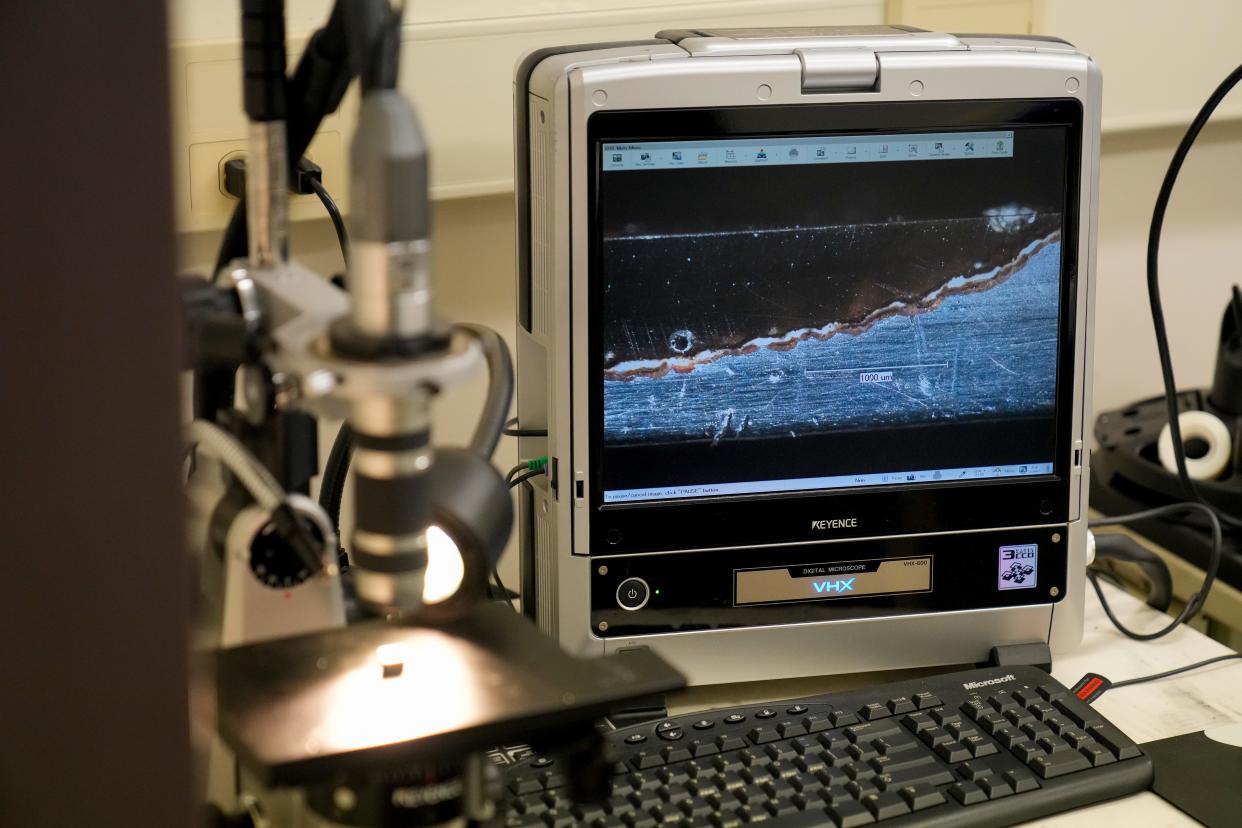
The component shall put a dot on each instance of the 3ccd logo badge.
(1017, 566)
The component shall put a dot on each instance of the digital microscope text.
(909, 298)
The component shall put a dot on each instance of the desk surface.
(1155, 710)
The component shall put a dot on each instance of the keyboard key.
(816, 723)
(1050, 692)
(1114, 740)
(807, 745)
(1027, 696)
(1097, 754)
(735, 718)
(861, 787)
(1078, 712)
(699, 748)
(797, 710)
(900, 762)
(974, 770)
(921, 796)
(635, 739)
(763, 735)
(780, 752)
(671, 735)
(967, 793)
(676, 754)
(994, 787)
(894, 743)
(952, 752)
(835, 795)
(917, 722)
(933, 774)
(643, 760)
(979, 746)
(975, 708)
(1074, 737)
(871, 730)
(842, 718)
(780, 807)
(885, 805)
(901, 704)
(1009, 736)
(766, 713)
(960, 730)
(935, 736)
(809, 764)
(1020, 781)
(789, 730)
(849, 814)
(730, 743)
(926, 700)
(1058, 764)
(667, 724)
(873, 711)
(945, 717)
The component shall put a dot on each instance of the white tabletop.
(1154, 710)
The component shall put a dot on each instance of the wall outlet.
(209, 128)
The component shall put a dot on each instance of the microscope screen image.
(770, 328)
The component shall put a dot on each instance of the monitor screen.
(815, 312)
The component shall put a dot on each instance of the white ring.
(1198, 425)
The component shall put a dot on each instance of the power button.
(633, 594)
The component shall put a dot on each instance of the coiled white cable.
(252, 474)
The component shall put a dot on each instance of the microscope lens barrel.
(390, 252)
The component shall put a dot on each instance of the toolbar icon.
(616, 158)
(761, 155)
(703, 156)
(676, 155)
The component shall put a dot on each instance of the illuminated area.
(445, 568)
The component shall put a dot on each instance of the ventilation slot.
(545, 575)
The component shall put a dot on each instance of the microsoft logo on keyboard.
(975, 685)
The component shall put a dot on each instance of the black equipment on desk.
(984, 747)
(1127, 475)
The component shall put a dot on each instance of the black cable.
(511, 430)
(499, 389)
(518, 468)
(334, 213)
(522, 478)
(1196, 601)
(1153, 288)
(500, 585)
(335, 470)
(1174, 671)
(313, 92)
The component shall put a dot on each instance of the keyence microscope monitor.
(806, 315)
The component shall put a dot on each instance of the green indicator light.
(657, 592)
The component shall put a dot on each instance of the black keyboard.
(983, 747)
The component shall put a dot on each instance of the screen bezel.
(738, 520)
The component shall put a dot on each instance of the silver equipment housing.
(757, 68)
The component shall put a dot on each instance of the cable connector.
(537, 463)
(305, 176)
